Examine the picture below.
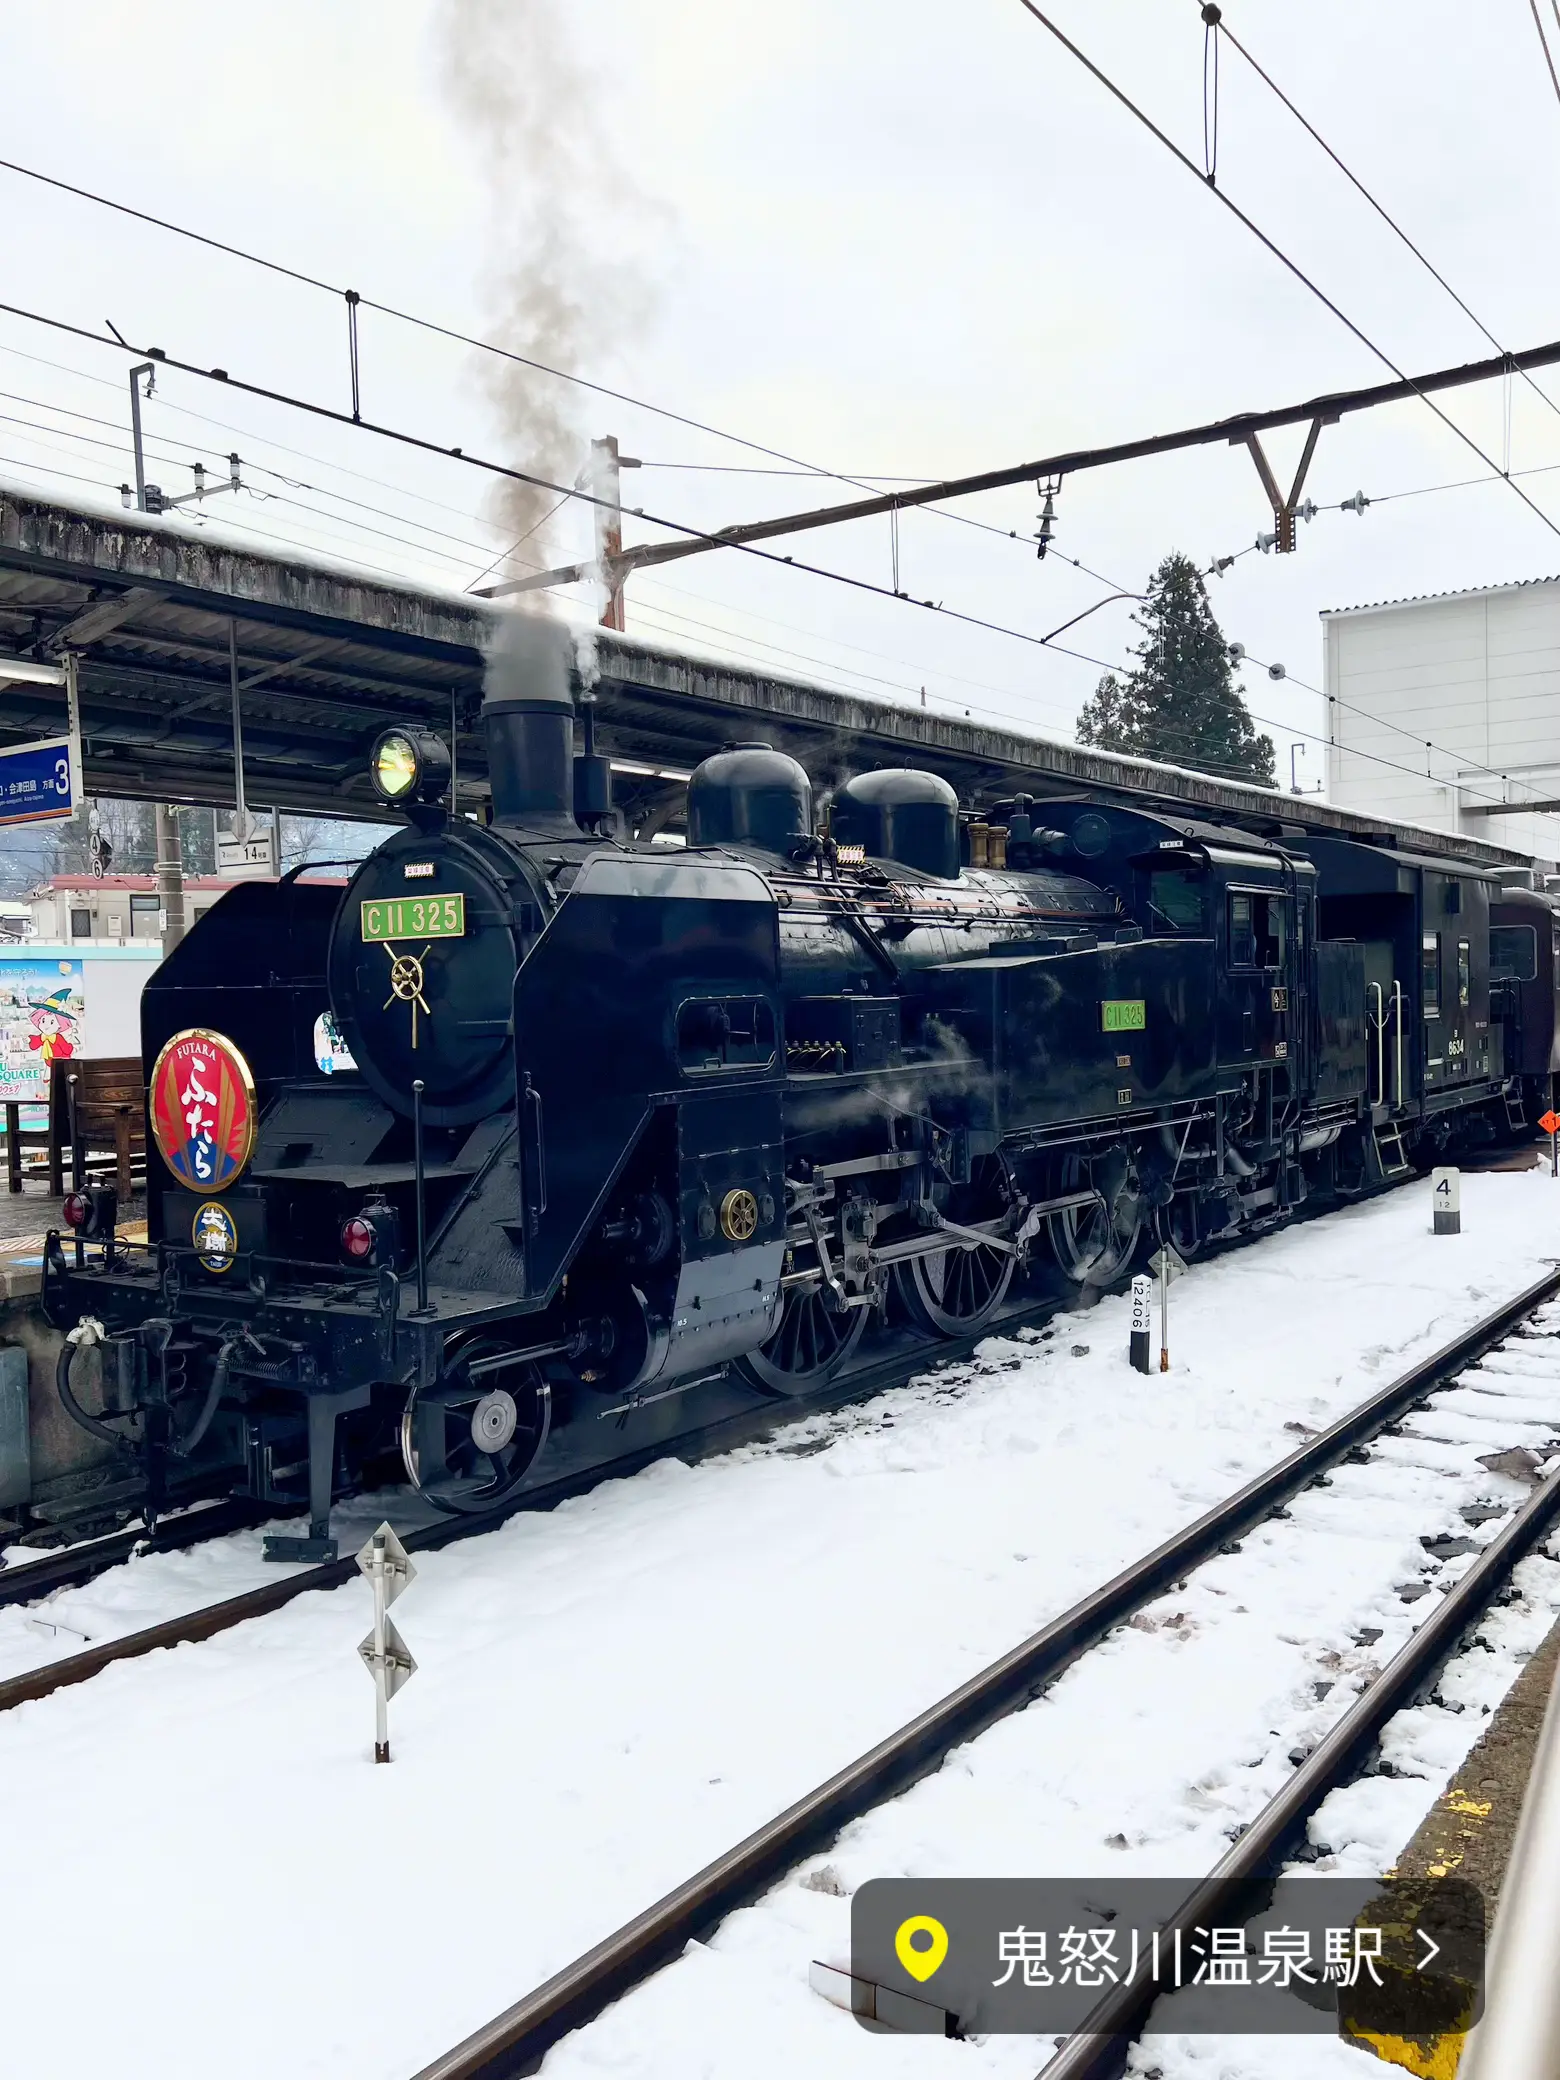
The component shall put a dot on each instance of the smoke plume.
(529, 658)
(563, 220)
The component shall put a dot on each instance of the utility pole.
(605, 463)
(170, 878)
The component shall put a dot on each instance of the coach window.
(1258, 927)
(1513, 953)
(1430, 975)
(1243, 938)
(1464, 972)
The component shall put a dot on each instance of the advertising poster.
(40, 1022)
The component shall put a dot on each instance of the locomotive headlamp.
(358, 1239)
(410, 765)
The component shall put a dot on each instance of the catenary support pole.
(607, 483)
(170, 878)
(241, 807)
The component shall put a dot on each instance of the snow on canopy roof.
(1420, 599)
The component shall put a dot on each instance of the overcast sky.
(882, 236)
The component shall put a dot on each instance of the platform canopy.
(328, 657)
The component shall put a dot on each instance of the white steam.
(563, 220)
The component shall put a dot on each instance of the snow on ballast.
(659, 1666)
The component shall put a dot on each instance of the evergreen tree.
(1179, 703)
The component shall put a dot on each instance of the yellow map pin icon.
(920, 1963)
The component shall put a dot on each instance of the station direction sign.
(245, 859)
(39, 782)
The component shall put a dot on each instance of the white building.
(110, 909)
(1446, 712)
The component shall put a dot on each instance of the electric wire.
(1223, 27)
(475, 550)
(1538, 24)
(1195, 761)
(729, 639)
(421, 444)
(788, 562)
(1278, 253)
(484, 346)
(1171, 738)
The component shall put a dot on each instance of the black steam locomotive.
(537, 1147)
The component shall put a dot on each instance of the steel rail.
(748, 1426)
(1098, 2051)
(24, 1581)
(513, 2041)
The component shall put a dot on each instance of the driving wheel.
(810, 1343)
(1093, 1242)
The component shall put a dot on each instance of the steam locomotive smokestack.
(528, 722)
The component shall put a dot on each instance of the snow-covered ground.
(218, 1880)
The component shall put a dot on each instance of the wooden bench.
(109, 1115)
(17, 1138)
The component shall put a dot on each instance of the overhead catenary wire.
(1189, 747)
(1445, 751)
(1278, 253)
(1222, 28)
(788, 562)
(1538, 24)
(1194, 759)
(424, 445)
(474, 551)
(355, 302)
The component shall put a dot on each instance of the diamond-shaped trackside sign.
(399, 1665)
(399, 1571)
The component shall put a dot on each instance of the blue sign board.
(37, 781)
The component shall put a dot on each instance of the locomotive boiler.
(537, 1147)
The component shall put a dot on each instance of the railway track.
(1099, 2050)
(908, 1354)
(513, 2042)
(70, 1567)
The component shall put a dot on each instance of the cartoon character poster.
(41, 1006)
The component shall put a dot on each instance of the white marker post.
(384, 1560)
(1167, 1263)
(1142, 1321)
(1446, 1198)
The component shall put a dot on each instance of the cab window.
(1259, 926)
(1430, 975)
(1178, 898)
